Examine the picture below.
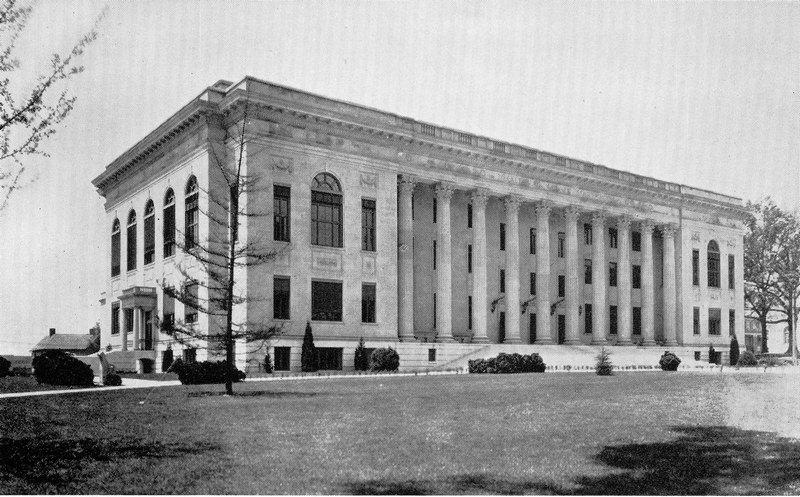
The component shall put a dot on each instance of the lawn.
(15, 384)
(640, 433)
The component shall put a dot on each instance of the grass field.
(641, 433)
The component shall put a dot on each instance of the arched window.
(149, 232)
(115, 248)
(713, 264)
(169, 223)
(132, 240)
(326, 211)
(192, 214)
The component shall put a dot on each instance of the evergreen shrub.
(113, 380)
(55, 367)
(508, 364)
(603, 366)
(267, 363)
(747, 360)
(309, 358)
(361, 361)
(734, 355)
(5, 367)
(385, 359)
(669, 362)
(206, 372)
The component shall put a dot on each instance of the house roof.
(66, 342)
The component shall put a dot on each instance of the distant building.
(777, 336)
(73, 344)
(413, 235)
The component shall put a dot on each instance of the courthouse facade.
(403, 232)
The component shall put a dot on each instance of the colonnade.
(573, 287)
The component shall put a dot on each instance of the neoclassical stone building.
(414, 235)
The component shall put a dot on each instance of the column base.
(512, 341)
(543, 341)
(573, 341)
(671, 343)
(649, 343)
(480, 339)
(407, 338)
(624, 342)
(599, 341)
(445, 339)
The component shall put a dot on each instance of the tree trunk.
(764, 347)
(234, 227)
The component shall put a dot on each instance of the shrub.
(603, 366)
(267, 363)
(508, 364)
(198, 373)
(747, 360)
(734, 355)
(113, 380)
(669, 362)
(386, 359)
(361, 360)
(712, 354)
(5, 367)
(54, 367)
(20, 371)
(309, 359)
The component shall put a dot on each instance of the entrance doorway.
(562, 329)
(501, 330)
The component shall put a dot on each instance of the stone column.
(670, 332)
(624, 281)
(124, 328)
(543, 273)
(479, 281)
(512, 270)
(599, 283)
(405, 261)
(648, 319)
(137, 325)
(444, 271)
(574, 289)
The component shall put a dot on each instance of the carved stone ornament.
(598, 219)
(369, 180)
(444, 191)
(512, 203)
(543, 208)
(695, 236)
(668, 230)
(404, 247)
(571, 213)
(731, 243)
(479, 198)
(284, 164)
(624, 223)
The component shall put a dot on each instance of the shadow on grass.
(703, 460)
(254, 394)
(44, 461)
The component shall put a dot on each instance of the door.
(562, 329)
(148, 330)
(501, 330)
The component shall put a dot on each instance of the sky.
(701, 94)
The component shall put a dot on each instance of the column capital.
(599, 218)
(571, 213)
(624, 222)
(647, 226)
(668, 230)
(406, 184)
(444, 191)
(512, 203)
(479, 197)
(543, 207)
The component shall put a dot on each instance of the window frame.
(168, 226)
(191, 291)
(327, 300)
(731, 272)
(116, 248)
(532, 240)
(587, 271)
(588, 236)
(613, 237)
(131, 240)
(369, 297)
(327, 212)
(713, 264)
(695, 267)
(281, 213)
(192, 214)
(281, 355)
(502, 236)
(281, 298)
(115, 314)
(149, 232)
(612, 274)
(636, 241)
(369, 224)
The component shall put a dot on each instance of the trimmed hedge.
(55, 367)
(386, 359)
(747, 360)
(5, 367)
(508, 364)
(669, 362)
(201, 373)
(113, 380)
(603, 366)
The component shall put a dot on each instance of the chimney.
(52, 331)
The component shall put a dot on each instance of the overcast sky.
(703, 94)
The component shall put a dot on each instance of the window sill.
(131, 272)
(326, 322)
(364, 251)
(149, 265)
(327, 247)
(369, 323)
(168, 258)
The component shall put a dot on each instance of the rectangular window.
(533, 283)
(696, 320)
(434, 310)
(713, 269)
(587, 318)
(192, 218)
(326, 301)
(502, 236)
(587, 234)
(326, 219)
(636, 276)
(501, 328)
(282, 355)
(587, 271)
(367, 225)
(612, 320)
(128, 313)
(561, 245)
(435, 209)
(330, 358)
(731, 322)
(532, 327)
(562, 284)
(168, 323)
(637, 321)
(190, 355)
(431, 355)
(280, 297)
(169, 230)
(469, 258)
(533, 240)
(469, 312)
(469, 215)
(115, 253)
(502, 281)
(191, 304)
(695, 267)
(612, 274)
(115, 318)
(434, 255)
(149, 239)
(731, 268)
(714, 322)
(368, 302)
(696, 355)
(612, 237)
(131, 260)
(636, 241)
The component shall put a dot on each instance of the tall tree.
(30, 111)
(218, 263)
(789, 278)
